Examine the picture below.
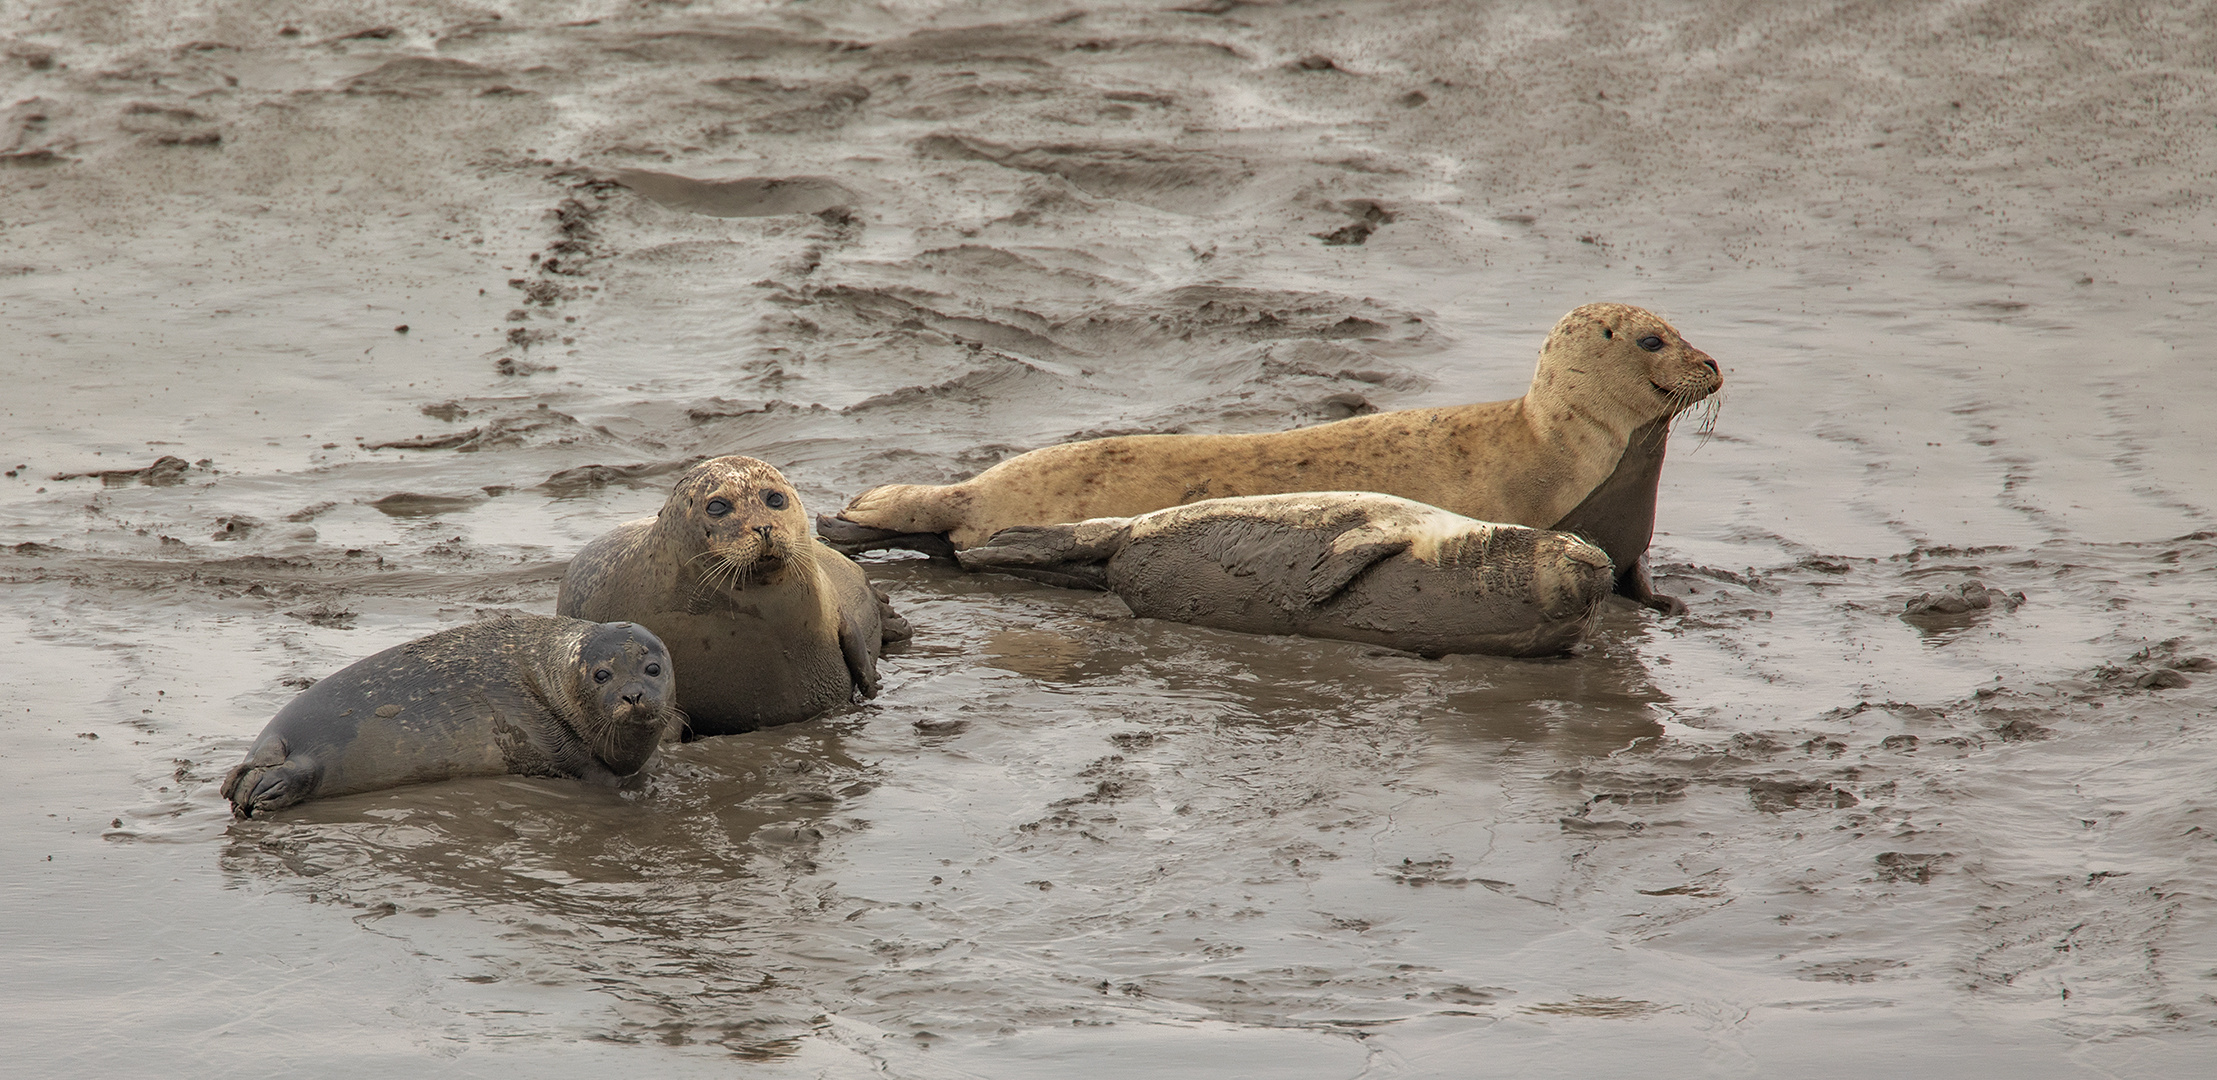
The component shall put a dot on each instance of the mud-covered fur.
(1353, 565)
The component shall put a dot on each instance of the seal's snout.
(1712, 366)
(762, 531)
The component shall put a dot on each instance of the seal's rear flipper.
(851, 539)
(1071, 556)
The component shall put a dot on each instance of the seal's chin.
(633, 733)
(740, 565)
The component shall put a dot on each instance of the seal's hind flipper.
(851, 539)
(1065, 555)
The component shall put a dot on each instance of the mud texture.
(347, 323)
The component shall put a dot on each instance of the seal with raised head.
(532, 695)
(769, 625)
(1581, 450)
(1353, 565)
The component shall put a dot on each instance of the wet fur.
(778, 626)
(504, 696)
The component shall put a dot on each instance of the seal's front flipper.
(852, 538)
(1635, 585)
(1071, 556)
(892, 627)
(269, 779)
(862, 664)
(1351, 553)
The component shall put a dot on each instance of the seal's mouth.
(747, 562)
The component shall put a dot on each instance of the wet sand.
(1841, 817)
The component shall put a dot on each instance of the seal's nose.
(1711, 365)
(634, 694)
(762, 531)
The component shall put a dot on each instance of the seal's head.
(740, 517)
(1631, 356)
(624, 678)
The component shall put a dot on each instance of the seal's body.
(531, 695)
(1563, 450)
(1338, 564)
(770, 626)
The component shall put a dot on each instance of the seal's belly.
(739, 671)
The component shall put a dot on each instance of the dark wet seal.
(166, 470)
(751, 196)
(532, 696)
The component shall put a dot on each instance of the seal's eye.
(1652, 343)
(603, 675)
(775, 500)
(654, 670)
(718, 507)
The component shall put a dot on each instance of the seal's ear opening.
(1608, 334)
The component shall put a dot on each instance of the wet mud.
(331, 327)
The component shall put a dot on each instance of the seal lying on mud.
(531, 695)
(770, 626)
(1338, 564)
(1581, 450)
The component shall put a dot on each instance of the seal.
(1353, 565)
(769, 625)
(532, 695)
(1564, 456)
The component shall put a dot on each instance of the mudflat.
(329, 326)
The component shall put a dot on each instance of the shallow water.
(1953, 260)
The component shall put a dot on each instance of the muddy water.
(1954, 260)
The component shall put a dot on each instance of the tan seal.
(1562, 456)
(1353, 565)
(533, 695)
(769, 625)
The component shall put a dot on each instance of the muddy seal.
(1337, 564)
(1582, 450)
(769, 625)
(531, 695)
